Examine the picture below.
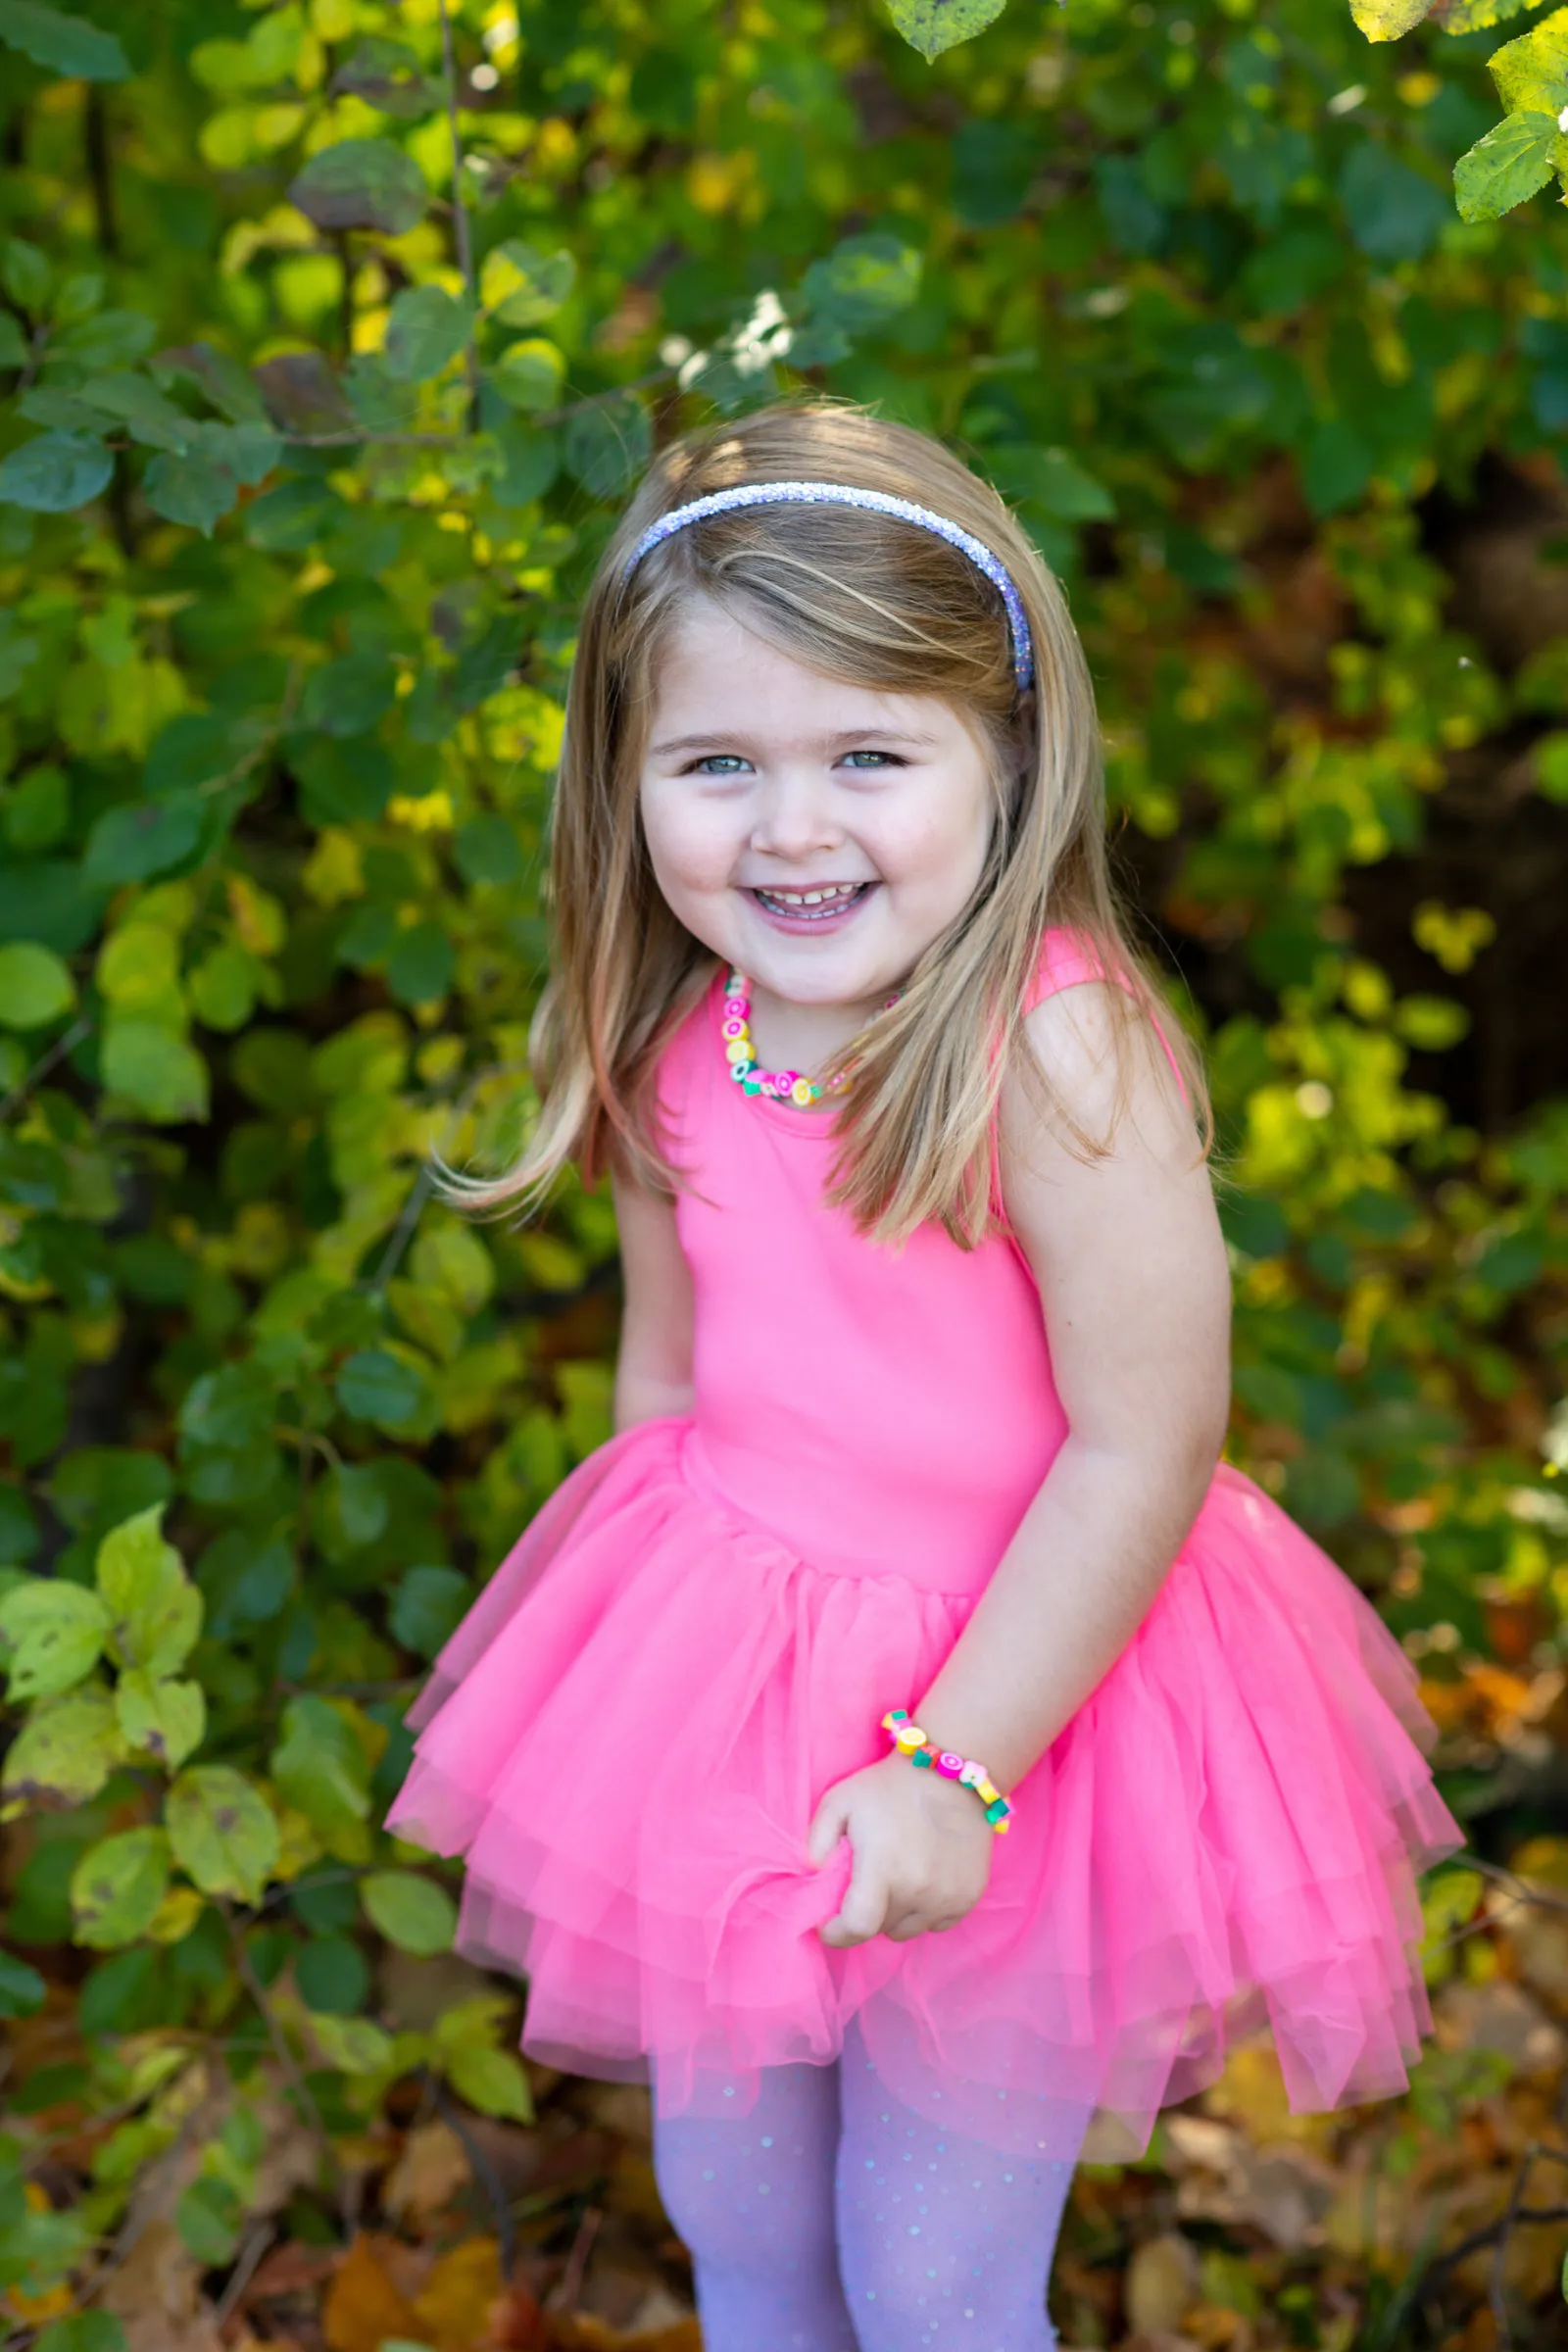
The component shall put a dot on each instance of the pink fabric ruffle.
(1227, 1833)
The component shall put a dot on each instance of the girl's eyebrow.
(844, 735)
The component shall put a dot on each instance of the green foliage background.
(331, 336)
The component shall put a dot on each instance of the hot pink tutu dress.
(628, 1735)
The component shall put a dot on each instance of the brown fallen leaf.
(155, 2296)
(290, 2269)
(1161, 2283)
(1500, 2016)
(518, 2323)
(430, 2169)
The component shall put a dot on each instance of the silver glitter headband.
(874, 502)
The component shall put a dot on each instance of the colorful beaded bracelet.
(909, 1740)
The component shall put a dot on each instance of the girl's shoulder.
(1067, 958)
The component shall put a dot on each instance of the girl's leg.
(943, 2242)
(752, 2198)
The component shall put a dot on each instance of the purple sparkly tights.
(830, 2219)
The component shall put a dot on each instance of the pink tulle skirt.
(628, 1735)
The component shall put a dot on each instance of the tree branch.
(461, 230)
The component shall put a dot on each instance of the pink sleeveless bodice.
(877, 1409)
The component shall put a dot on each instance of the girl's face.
(818, 836)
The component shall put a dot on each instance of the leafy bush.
(332, 335)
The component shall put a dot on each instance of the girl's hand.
(921, 1847)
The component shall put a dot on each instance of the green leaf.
(863, 281)
(133, 844)
(163, 1077)
(320, 1769)
(429, 1606)
(130, 400)
(55, 1632)
(222, 1832)
(348, 696)
(1508, 164)
(1479, 16)
(411, 1911)
(373, 1386)
(1335, 466)
(932, 26)
(1394, 214)
(420, 967)
(352, 2044)
(155, 1610)
(491, 2081)
(35, 986)
(19, 1527)
(530, 459)
(361, 183)
(230, 1408)
(226, 384)
(23, 1991)
(209, 2217)
(117, 1887)
(189, 489)
(61, 44)
(609, 445)
(387, 75)
(25, 274)
(425, 329)
(520, 286)
(64, 1752)
(56, 473)
(528, 375)
(488, 849)
(330, 1975)
(84, 2332)
(165, 1718)
(1054, 482)
(13, 342)
(222, 989)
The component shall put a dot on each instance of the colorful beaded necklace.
(785, 1086)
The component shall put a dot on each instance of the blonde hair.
(876, 603)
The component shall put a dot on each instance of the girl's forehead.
(711, 664)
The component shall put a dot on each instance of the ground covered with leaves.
(332, 334)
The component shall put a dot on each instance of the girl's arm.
(1136, 1296)
(653, 1366)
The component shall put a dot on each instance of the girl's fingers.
(864, 1909)
(828, 1827)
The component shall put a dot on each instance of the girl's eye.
(875, 758)
(720, 763)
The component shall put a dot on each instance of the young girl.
(900, 1741)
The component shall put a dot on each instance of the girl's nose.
(796, 819)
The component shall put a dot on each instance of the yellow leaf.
(176, 1915)
(454, 2304)
(362, 2307)
(257, 916)
(334, 870)
(1386, 19)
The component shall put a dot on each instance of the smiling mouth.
(815, 904)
